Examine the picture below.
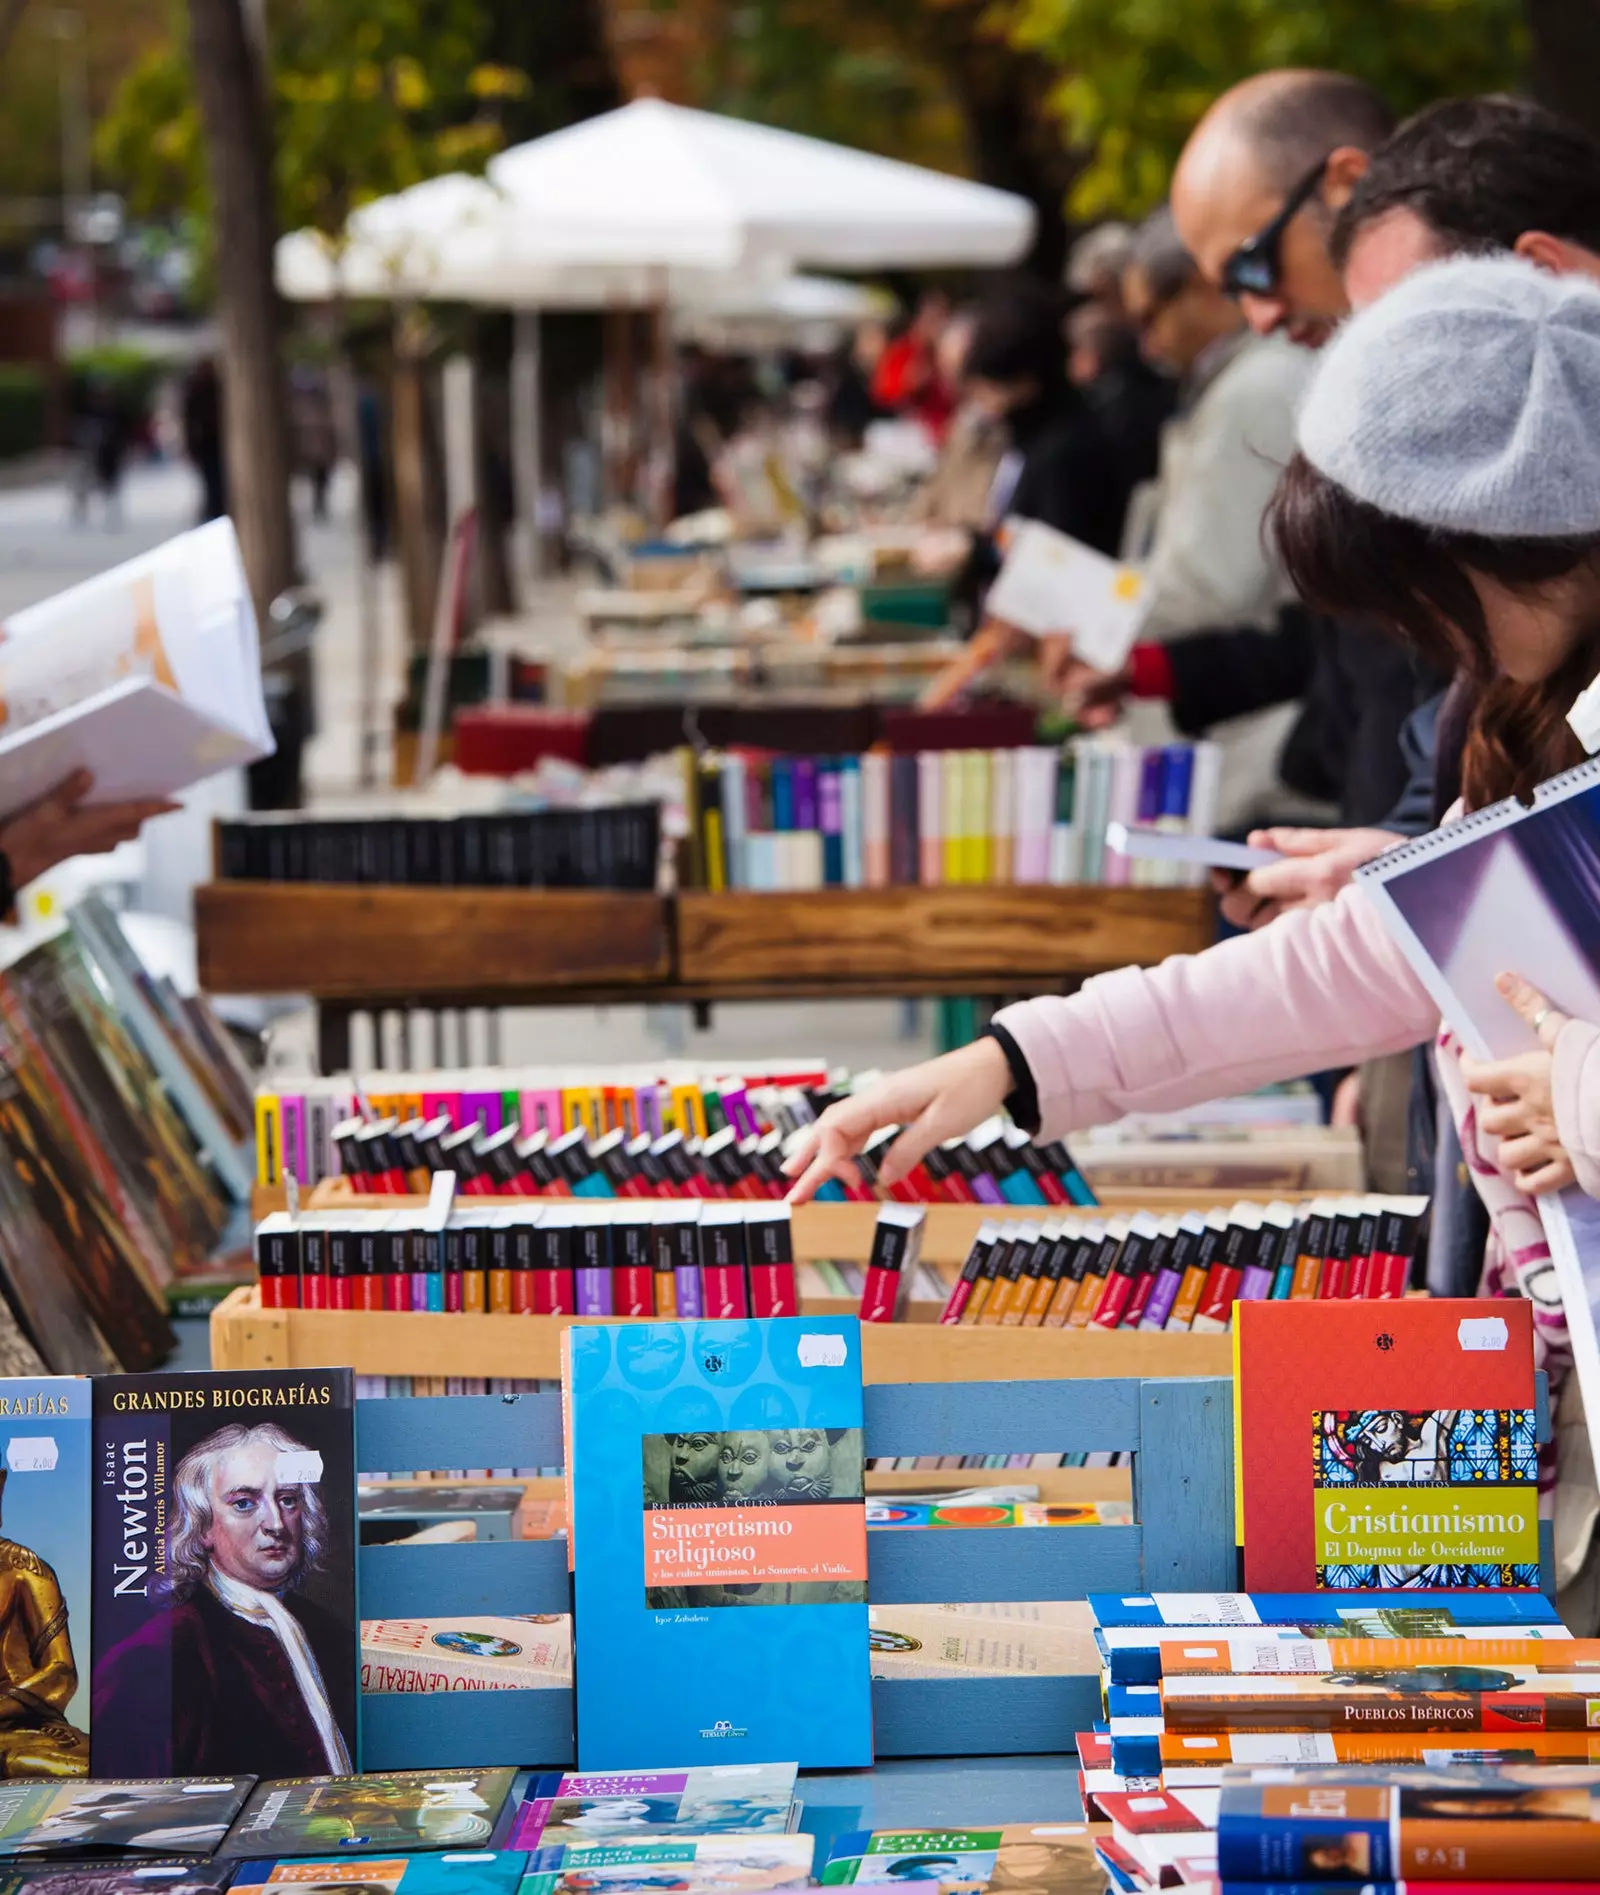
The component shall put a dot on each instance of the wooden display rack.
(244, 1335)
(355, 948)
(1179, 1434)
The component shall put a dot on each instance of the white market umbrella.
(659, 184)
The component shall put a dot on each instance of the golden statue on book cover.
(38, 1673)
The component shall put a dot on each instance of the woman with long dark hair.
(1447, 485)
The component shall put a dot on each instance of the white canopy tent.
(661, 184)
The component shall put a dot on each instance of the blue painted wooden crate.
(1179, 1433)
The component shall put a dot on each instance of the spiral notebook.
(1514, 890)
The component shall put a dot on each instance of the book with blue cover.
(466, 1872)
(718, 1498)
(731, 1799)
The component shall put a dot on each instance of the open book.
(1514, 890)
(1051, 582)
(149, 675)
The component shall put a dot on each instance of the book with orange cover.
(1386, 1445)
(1228, 1657)
(1446, 1697)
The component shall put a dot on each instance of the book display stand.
(1179, 1433)
(356, 949)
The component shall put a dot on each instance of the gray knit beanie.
(1468, 399)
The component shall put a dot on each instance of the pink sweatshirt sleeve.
(1317, 988)
(1575, 1084)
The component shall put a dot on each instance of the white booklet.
(1514, 890)
(1050, 582)
(149, 675)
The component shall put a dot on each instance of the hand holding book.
(1318, 863)
(942, 1098)
(1521, 1109)
(64, 823)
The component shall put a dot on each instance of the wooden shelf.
(244, 1335)
(372, 944)
(451, 946)
(955, 938)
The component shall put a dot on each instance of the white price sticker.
(298, 1467)
(823, 1352)
(1483, 1335)
(31, 1454)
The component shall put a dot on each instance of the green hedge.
(23, 410)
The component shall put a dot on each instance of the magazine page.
(1514, 890)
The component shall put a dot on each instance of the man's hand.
(1521, 1111)
(61, 824)
(990, 645)
(1094, 699)
(941, 550)
(940, 1099)
(1319, 863)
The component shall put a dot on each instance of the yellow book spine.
(269, 1139)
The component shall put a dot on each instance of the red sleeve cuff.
(1150, 671)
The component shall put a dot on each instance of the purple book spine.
(649, 1105)
(1255, 1284)
(593, 1292)
(985, 1190)
(805, 793)
(690, 1301)
(1162, 1297)
(486, 1107)
(1150, 779)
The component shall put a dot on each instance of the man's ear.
(1347, 165)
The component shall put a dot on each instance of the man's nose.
(271, 1513)
(1265, 314)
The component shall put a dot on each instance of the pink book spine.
(875, 818)
(541, 1112)
(433, 1103)
(930, 823)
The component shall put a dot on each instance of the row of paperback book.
(602, 847)
(125, 1116)
(685, 1259)
(1184, 1272)
(1308, 1741)
(1033, 814)
(695, 1132)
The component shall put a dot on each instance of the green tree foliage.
(369, 96)
(1136, 74)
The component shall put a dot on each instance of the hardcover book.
(1386, 1445)
(1521, 1825)
(44, 1563)
(1445, 1697)
(224, 1591)
(470, 1872)
(386, 1814)
(1050, 1859)
(707, 1800)
(163, 1816)
(687, 1865)
(719, 1497)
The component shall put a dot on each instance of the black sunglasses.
(1253, 268)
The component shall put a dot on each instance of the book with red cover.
(1386, 1445)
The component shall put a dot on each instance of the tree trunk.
(414, 537)
(1564, 72)
(232, 97)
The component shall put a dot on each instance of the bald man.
(1259, 184)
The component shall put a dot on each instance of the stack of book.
(1033, 814)
(1184, 1272)
(1256, 1689)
